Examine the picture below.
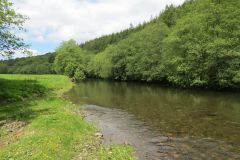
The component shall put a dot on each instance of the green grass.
(51, 130)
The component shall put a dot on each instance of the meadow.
(36, 122)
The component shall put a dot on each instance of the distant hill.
(42, 64)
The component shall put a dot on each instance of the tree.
(70, 57)
(10, 21)
(203, 48)
(79, 74)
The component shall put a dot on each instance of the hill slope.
(193, 45)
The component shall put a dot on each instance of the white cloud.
(58, 20)
(20, 53)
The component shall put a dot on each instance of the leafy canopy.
(10, 21)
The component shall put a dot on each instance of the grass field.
(36, 123)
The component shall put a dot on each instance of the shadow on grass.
(17, 98)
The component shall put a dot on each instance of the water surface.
(163, 123)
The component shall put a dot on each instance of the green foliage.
(100, 44)
(79, 74)
(68, 56)
(193, 45)
(31, 65)
(70, 69)
(139, 56)
(3, 67)
(169, 16)
(99, 66)
(10, 21)
(202, 50)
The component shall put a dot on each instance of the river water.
(163, 123)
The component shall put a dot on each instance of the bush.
(79, 75)
(70, 69)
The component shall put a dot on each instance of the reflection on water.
(185, 114)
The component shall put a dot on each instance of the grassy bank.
(36, 123)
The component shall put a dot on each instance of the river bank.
(37, 123)
(162, 122)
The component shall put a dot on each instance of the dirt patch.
(11, 131)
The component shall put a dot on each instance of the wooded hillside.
(195, 45)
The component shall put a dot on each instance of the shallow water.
(163, 123)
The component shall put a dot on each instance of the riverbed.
(161, 122)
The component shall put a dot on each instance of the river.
(163, 123)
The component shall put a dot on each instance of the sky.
(53, 21)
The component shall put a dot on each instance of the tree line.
(30, 65)
(195, 45)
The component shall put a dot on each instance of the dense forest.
(100, 44)
(31, 65)
(195, 45)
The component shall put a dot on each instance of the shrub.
(70, 69)
(79, 75)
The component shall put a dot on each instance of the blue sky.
(42, 47)
(53, 21)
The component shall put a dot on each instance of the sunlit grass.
(52, 130)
